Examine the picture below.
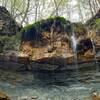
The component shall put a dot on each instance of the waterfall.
(73, 45)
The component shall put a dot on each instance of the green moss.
(38, 24)
(50, 19)
(61, 19)
(97, 24)
(28, 27)
(98, 21)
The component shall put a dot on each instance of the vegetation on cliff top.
(58, 24)
(33, 32)
(45, 25)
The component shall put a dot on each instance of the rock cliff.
(51, 39)
(8, 26)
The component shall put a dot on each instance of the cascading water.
(74, 44)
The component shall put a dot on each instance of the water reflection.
(54, 86)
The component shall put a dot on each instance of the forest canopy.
(29, 11)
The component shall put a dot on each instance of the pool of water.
(67, 85)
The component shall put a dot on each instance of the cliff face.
(8, 26)
(47, 38)
(51, 38)
(51, 41)
(94, 26)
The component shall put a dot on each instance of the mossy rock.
(33, 32)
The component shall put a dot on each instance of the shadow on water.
(52, 78)
(49, 78)
(62, 78)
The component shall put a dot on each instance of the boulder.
(4, 96)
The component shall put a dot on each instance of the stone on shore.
(4, 96)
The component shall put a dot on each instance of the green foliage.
(37, 25)
(98, 21)
(97, 24)
(61, 19)
(28, 27)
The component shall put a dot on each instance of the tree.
(25, 11)
(17, 8)
(59, 5)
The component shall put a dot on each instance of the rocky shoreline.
(49, 65)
